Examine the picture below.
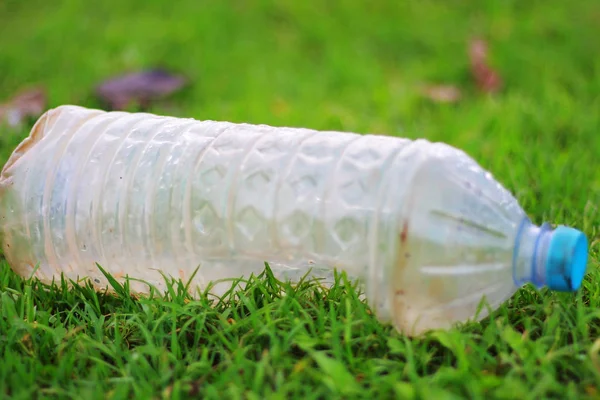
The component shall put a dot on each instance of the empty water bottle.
(427, 231)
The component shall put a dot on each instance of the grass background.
(346, 65)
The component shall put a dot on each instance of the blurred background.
(513, 83)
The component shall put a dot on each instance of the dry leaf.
(591, 390)
(27, 103)
(139, 88)
(442, 93)
(486, 78)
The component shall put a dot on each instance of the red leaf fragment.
(486, 78)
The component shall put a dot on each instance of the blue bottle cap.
(566, 260)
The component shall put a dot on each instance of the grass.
(340, 65)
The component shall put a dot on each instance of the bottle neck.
(530, 251)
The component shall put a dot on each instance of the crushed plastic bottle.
(428, 232)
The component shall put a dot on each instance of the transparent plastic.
(427, 231)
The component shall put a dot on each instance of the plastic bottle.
(428, 232)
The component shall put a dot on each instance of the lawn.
(342, 65)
